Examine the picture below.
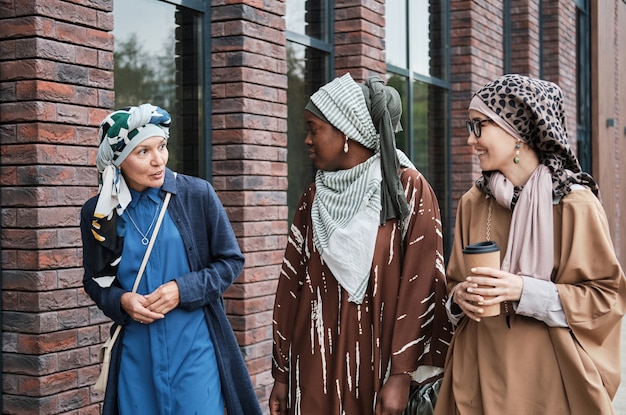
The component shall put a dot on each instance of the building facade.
(236, 74)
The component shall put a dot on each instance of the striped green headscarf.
(349, 205)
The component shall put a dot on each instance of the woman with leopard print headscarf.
(555, 346)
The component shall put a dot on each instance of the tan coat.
(531, 368)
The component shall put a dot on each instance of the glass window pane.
(307, 70)
(395, 32)
(430, 132)
(430, 146)
(158, 60)
(401, 84)
(307, 17)
(427, 48)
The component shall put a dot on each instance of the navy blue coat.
(215, 261)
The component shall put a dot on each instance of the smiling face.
(145, 166)
(325, 144)
(495, 148)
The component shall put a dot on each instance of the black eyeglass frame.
(475, 126)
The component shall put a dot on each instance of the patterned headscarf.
(531, 110)
(534, 109)
(120, 132)
(368, 114)
(350, 204)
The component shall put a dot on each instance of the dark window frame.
(205, 139)
(322, 46)
(583, 84)
(444, 83)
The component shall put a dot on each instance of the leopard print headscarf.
(534, 108)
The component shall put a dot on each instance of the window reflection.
(430, 132)
(307, 17)
(306, 72)
(158, 59)
(427, 43)
(417, 66)
(308, 68)
(401, 84)
(396, 32)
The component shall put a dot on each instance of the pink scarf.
(530, 249)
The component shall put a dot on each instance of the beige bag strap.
(154, 234)
(144, 262)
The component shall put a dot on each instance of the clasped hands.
(496, 286)
(154, 306)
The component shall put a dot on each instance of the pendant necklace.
(144, 237)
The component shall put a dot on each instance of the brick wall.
(56, 84)
(525, 46)
(608, 98)
(250, 164)
(559, 56)
(476, 58)
(360, 38)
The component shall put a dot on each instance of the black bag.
(423, 398)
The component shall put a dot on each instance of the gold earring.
(517, 147)
(345, 145)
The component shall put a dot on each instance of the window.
(309, 66)
(158, 58)
(416, 40)
(583, 84)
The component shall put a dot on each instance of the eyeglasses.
(474, 126)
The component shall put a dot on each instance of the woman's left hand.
(499, 285)
(394, 395)
(164, 299)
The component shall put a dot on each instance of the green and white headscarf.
(349, 205)
(120, 132)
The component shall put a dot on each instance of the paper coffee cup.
(483, 254)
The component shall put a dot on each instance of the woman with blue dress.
(176, 353)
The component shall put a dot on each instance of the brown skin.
(495, 150)
(326, 145)
(143, 168)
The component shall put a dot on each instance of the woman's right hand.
(278, 399)
(135, 305)
(467, 301)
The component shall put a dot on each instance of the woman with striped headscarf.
(176, 353)
(359, 307)
(555, 347)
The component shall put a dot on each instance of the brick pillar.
(525, 40)
(559, 55)
(360, 38)
(57, 81)
(476, 56)
(250, 164)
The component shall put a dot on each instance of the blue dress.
(168, 366)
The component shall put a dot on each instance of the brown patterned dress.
(335, 354)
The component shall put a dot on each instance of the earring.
(345, 145)
(517, 147)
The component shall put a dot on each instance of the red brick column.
(476, 58)
(250, 163)
(525, 42)
(360, 38)
(56, 79)
(559, 55)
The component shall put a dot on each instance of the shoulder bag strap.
(152, 239)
